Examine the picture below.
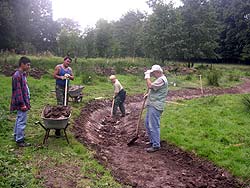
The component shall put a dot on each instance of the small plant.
(87, 79)
(247, 73)
(213, 77)
(119, 68)
(210, 100)
(234, 78)
(246, 102)
(188, 77)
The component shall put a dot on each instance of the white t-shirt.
(117, 87)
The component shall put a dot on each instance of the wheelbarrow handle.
(38, 122)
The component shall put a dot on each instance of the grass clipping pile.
(56, 112)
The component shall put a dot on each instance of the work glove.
(147, 74)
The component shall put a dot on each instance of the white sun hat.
(156, 68)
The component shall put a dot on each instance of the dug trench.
(132, 166)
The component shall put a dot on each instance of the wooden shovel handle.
(65, 92)
(139, 120)
(112, 107)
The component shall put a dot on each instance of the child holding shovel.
(119, 96)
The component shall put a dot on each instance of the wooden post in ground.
(201, 84)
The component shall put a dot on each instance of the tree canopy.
(210, 30)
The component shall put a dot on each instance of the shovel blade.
(132, 141)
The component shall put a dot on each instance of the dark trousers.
(119, 102)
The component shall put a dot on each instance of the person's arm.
(157, 84)
(149, 83)
(56, 73)
(71, 77)
(19, 93)
(147, 78)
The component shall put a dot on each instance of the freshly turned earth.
(170, 167)
(56, 111)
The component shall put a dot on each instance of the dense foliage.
(217, 30)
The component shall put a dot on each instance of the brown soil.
(169, 167)
(9, 70)
(181, 70)
(56, 111)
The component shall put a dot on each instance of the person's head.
(24, 63)
(112, 78)
(66, 61)
(156, 71)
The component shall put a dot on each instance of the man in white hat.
(156, 100)
(119, 96)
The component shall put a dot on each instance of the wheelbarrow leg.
(66, 135)
(46, 136)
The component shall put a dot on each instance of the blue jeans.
(152, 123)
(21, 120)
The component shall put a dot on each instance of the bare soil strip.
(169, 167)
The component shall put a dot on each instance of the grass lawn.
(216, 128)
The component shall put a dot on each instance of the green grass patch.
(216, 128)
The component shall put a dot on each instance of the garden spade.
(132, 141)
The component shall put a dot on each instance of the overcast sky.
(88, 12)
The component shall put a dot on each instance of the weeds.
(246, 102)
(213, 77)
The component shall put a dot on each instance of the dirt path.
(169, 167)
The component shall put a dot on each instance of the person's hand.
(63, 77)
(23, 108)
(145, 96)
(67, 76)
(147, 74)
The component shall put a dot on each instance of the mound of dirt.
(56, 112)
(9, 70)
(169, 167)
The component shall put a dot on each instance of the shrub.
(213, 77)
(188, 77)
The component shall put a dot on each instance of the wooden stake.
(201, 84)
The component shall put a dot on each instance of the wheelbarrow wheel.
(78, 98)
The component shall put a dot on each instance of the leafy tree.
(30, 24)
(103, 38)
(234, 16)
(200, 30)
(163, 32)
(7, 29)
(128, 34)
(89, 42)
(69, 39)
(44, 29)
